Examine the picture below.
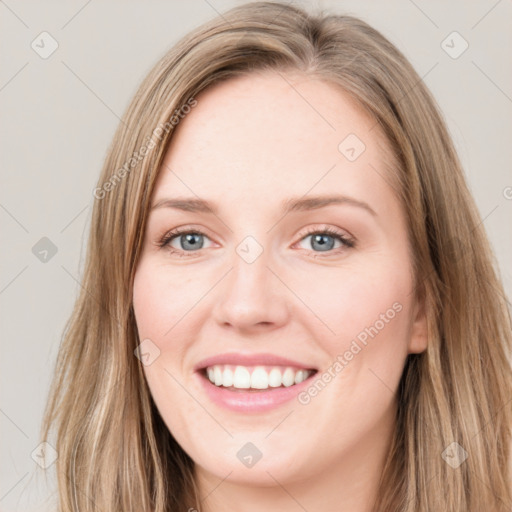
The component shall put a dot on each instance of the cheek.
(368, 315)
(161, 298)
(165, 303)
(160, 301)
(350, 300)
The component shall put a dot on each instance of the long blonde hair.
(114, 451)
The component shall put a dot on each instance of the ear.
(419, 332)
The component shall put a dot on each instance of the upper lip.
(250, 360)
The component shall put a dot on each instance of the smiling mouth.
(254, 379)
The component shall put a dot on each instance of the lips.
(257, 387)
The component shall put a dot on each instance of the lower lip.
(251, 401)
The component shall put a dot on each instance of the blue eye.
(191, 241)
(323, 239)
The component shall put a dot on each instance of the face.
(300, 309)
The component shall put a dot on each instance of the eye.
(188, 241)
(323, 240)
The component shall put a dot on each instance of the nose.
(252, 296)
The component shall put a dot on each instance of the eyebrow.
(190, 204)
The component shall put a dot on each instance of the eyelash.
(347, 242)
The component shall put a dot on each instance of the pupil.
(321, 240)
(189, 239)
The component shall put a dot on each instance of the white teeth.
(288, 377)
(217, 374)
(258, 377)
(227, 377)
(242, 378)
(300, 376)
(274, 378)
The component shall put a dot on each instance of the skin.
(251, 143)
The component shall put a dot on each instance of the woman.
(289, 299)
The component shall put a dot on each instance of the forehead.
(274, 135)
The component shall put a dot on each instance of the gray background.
(58, 116)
